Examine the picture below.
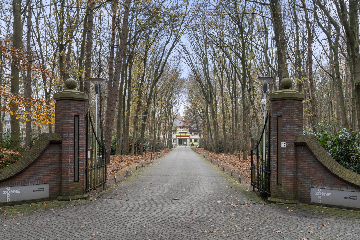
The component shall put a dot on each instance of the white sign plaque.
(19, 193)
(335, 197)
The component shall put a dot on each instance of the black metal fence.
(260, 162)
(95, 157)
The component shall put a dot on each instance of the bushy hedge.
(344, 147)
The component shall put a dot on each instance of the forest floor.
(122, 162)
(230, 160)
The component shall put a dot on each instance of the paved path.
(179, 197)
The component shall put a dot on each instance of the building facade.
(183, 135)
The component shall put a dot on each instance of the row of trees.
(135, 45)
(128, 43)
(232, 43)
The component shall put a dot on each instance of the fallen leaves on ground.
(121, 162)
(230, 160)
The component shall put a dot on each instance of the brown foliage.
(7, 157)
(230, 160)
(121, 162)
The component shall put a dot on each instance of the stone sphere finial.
(71, 84)
(286, 83)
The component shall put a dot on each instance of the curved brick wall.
(30, 156)
(317, 169)
(40, 165)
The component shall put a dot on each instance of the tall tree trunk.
(82, 46)
(223, 111)
(310, 70)
(120, 110)
(209, 140)
(27, 83)
(89, 46)
(15, 71)
(336, 76)
(298, 71)
(244, 99)
(128, 101)
(350, 21)
(113, 83)
(233, 99)
(60, 42)
(47, 89)
(170, 121)
(215, 125)
(153, 130)
(1, 83)
(139, 104)
(123, 110)
(118, 122)
(276, 14)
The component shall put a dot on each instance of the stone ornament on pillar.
(70, 93)
(287, 92)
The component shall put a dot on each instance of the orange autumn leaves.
(42, 111)
(7, 156)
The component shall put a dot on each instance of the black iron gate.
(260, 162)
(95, 156)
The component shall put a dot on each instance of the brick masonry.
(312, 173)
(46, 169)
(291, 112)
(51, 159)
(64, 126)
(305, 164)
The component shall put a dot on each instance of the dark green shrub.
(158, 146)
(6, 140)
(344, 147)
(146, 146)
(113, 145)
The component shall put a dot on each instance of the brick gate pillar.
(70, 125)
(286, 123)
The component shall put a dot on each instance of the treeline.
(232, 43)
(129, 43)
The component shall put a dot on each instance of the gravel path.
(180, 196)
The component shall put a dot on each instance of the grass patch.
(8, 211)
(321, 211)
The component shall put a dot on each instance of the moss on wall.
(325, 159)
(30, 156)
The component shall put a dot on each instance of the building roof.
(179, 123)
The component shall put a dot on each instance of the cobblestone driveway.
(179, 197)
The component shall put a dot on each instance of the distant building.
(184, 135)
(34, 128)
(7, 126)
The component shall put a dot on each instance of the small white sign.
(18, 193)
(283, 144)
